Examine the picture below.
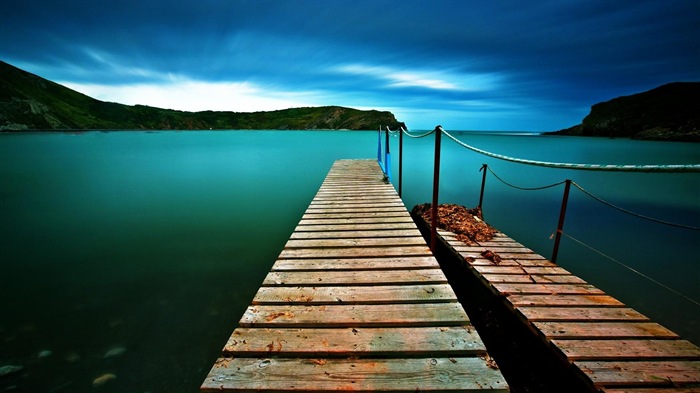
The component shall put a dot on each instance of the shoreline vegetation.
(31, 103)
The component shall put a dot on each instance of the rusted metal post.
(483, 184)
(387, 157)
(436, 186)
(400, 160)
(560, 226)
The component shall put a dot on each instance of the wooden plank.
(384, 294)
(533, 278)
(345, 342)
(375, 215)
(644, 373)
(387, 277)
(356, 242)
(610, 330)
(545, 289)
(627, 349)
(356, 234)
(354, 227)
(359, 220)
(580, 314)
(385, 263)
(470, 374)
(564, 300)
(354, 252)
(518, 269)
(363, 315)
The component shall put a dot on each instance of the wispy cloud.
(427, 79)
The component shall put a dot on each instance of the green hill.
(29, 102)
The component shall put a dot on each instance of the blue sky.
(468, 65)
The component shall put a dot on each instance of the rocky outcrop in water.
(29, 102)
(669, 112)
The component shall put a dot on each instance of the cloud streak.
(474, 64)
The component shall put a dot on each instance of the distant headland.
(670, 112)
(29, 102)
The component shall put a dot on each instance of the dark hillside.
(29, 102)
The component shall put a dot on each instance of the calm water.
(135, 253)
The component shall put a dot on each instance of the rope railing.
(597, 198)
(585, 167)
(651, 279)
(692, 168)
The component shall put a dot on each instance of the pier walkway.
(355, 301)
(611, 347)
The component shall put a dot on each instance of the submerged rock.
(103, 379)
(116, 351)
(10, 369)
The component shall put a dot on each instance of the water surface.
(135, 253)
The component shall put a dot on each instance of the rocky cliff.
(669, 112)
(29, 102)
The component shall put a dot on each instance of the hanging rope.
(632, 269)
(633, 213)
(585, 167)
(416, 136)
(522, 188)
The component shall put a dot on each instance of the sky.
(508, 65)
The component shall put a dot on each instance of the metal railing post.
(484, 167)
(436, 186)
(400, 160)
(560, 226)
(387, 157)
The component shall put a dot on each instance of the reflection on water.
(127, 258)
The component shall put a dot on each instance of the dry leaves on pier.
(465, 223)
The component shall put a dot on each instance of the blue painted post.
(400, 160)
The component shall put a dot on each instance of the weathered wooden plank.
(357, 242)
(497, 249)
(362, 315)
(388, 263)
(353, 277)
(534, 278)
(519, 269)
(356, 234)
(354, 227)
(384, 294)
(610, 330)
(359, 220)
(345, 342)
(638, 373)
(325, 209)
(373, 215)
(470, 374)
(536, 289)
(508, 259)
(354, 252)
(564, 300)
(627, 349)
(581, 314)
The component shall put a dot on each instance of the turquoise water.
(135, 253)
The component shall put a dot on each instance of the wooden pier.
(611, 347)
(355, 301)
